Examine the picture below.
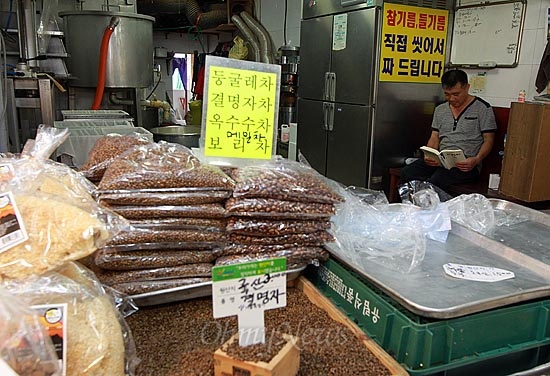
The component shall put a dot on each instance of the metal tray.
(429, 292)
(523, 229)
(197, 290)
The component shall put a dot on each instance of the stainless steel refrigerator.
(351, 127)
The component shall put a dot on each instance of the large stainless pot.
(185, 135)
(130, 54)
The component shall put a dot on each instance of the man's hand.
(431, 162)
(468, 164)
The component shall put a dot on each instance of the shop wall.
(502, 84)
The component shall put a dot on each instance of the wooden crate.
(285, 363)
(394, 368)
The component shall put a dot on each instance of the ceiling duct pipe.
(248, 36)
(191, 9)
(262, 35)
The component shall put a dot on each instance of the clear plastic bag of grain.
(139, 236)
(273, 227)
(47, 217)
(106, 149)
(284, 179)
(296, 258)
(243, 249)
(214, 210)
(278, 209)
(110, 259)
(162, 165)
(148, 287)
(159, 246)
(205, 224)
(98, 341)
(317, 238)
(31, 159)
(25, 346)
(160, 197)
(113, 277)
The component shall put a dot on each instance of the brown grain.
(162, 165)
(189, 336)
(266, 227)
(112, 277)
(284, 181)
(278, 209)
(134, 260)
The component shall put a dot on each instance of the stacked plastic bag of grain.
(105, 150)
(279, 208)
(175, 206)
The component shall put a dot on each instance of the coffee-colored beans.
(204, 224)
(134, 260)
(317, 238)
(260, 352)
(215, 210)
(252, 249)
(137, 236)
(284, 181)
(111, 277)
(180, 339)
(295, 257)
(105, 150)
(162, 165)
(266, 227)
(173, 196)
(278, 209)
(142, 287)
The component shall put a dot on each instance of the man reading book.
(464, 122)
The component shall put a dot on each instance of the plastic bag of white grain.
(47, 216)
(98, 341)
(25, 347)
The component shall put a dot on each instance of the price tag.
(241, 108)
(477, 273)
(247, 290)
(54, 319)
(12, 228)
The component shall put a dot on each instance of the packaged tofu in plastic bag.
(97, 340)
(26, 349)
(48, 216)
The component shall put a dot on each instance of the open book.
(447, 158)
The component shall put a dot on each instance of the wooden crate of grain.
(394, 368)
(285, 363)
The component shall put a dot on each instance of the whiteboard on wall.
(487, 35)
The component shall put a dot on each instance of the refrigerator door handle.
(330, 111)
(332, 86)
(325, 124)
(326, 91)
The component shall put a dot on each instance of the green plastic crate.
(518, 334)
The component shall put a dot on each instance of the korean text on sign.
(241, 113)
(413, 44)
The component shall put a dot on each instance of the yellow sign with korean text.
(413, 44)
(240, 113)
